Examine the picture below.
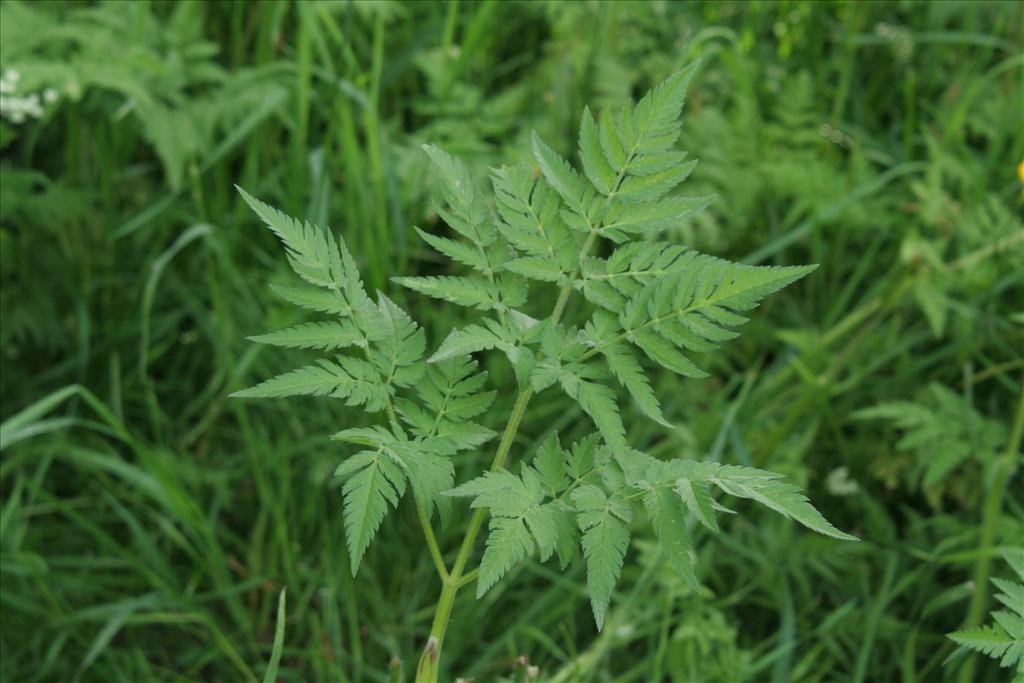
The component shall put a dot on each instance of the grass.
(149, 525)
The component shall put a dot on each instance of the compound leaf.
(772, 491)
(377, 482)
(665, 511)
(605, 541)
(322, 335)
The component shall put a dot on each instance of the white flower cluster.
(19, 108)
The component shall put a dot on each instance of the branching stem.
(435, 550)
(428, 531)
(428, 669)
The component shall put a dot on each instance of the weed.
(665, 301)
(148, 524)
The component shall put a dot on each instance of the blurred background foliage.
(148, 523)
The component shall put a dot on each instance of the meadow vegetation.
(149, 523)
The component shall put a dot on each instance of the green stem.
(990, 517)
(435, 550)
(499, 460)
(563, 296)
(427, 670)
(468, 578)
(428, 531)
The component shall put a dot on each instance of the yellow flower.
(1020, 171)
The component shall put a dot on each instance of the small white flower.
(50, 96)
(17, 109)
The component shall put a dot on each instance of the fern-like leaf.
(624, 219)
(400, 345)
(315, 255)
(595, 165)
(508, 543)
(374, 483)
(469, 254)
(1003, 640)
(550, 463)
(992, 641)
(467, 213)
(424, 461)
(693, 309)
(597, 401)
(313, 299)
(772, 491)
(450, 397)
(663, 300)
(624, 367)
(471, 292)
(943, 431)
(577, 194)
(324, 335)
(605, 541)
(519, 521)
(531, 222)
(322, 379)
(665, 510)
(469, 339)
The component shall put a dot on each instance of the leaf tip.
(598, 617)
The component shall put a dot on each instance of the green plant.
(661, 299)
(1003, 640)
(942, 434)
(125, 62)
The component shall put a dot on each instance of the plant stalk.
(427, 670)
